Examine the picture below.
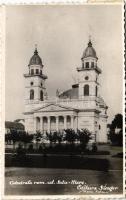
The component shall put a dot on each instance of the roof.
(35, 59)
(71, 93)
(53, 107)
(101, 102)
(14, 125)
(18, 120)
(89, 51)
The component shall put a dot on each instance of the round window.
(86, 78)
(31, 83)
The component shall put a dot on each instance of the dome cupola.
(89, 59)
(89, 51)
(35, 59)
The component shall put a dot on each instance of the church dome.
(35, 59)
(89, 51)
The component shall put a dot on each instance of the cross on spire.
(35, 46)
(89, 37)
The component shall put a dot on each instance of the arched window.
(87, 64)
(31, 83)
(31, 94)
(96, 91)
(37, 71)
(92, 64)
(41, 95)
(82, 64)
(86, 90)
(86, 78)
(32, 71)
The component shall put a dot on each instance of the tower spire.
(35, 52)
(89, 43)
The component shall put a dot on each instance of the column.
(41, 121)
(48, 124)
(76, 123)
(40, 124)
(72, 122)
(65, 122)
(34, 124)
(57, 123)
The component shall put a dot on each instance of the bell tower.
(89, 73)
(35, 90)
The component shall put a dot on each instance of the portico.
(54, 117)
(54, 123)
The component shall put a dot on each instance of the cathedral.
(80, 107)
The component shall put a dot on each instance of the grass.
(57, 161)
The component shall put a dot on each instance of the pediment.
(53, 108)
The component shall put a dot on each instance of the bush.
(40, 149)
(94, 147)
(30, 148)
(20, 150)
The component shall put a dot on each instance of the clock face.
(86, 78)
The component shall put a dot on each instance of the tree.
(8, 138)
(116, 130)
(15, 137)
(25, 138)
(38, 138)
(84, 136)
(117, 122)
(70, 136)
(59, 137)
(52, 137)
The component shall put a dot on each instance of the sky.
(61, 34)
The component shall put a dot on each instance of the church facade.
(80, 107)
